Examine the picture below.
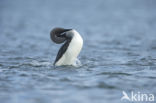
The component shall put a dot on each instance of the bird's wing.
(62, 50)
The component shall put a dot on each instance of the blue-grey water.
(119, 52)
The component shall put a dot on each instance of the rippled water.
(119, 52)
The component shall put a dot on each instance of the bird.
(69, 51)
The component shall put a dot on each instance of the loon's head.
(59, 35)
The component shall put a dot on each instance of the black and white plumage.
(73, 42)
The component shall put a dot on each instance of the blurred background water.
(119, 52)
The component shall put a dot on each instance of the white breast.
(73, 50)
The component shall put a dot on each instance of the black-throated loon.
(67, 55)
